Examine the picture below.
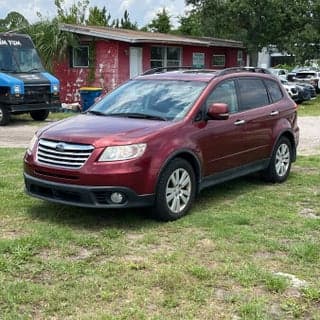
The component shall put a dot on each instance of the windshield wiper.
(7, 70)
(97, 113)
(139, 116)
(33, 69)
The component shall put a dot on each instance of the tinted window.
(225, 93)
(253, 93)
(274, 90)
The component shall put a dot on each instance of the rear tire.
(39, 115)
(175, 191)
(4, 115)
(280, 163)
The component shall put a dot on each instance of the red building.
(107, 57)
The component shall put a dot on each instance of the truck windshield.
(19, 58)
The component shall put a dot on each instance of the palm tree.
(50, 41)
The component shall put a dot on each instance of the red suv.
(161, 138)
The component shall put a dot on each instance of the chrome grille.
(63, 154)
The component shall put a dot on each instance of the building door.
(135, 61)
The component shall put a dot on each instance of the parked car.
(292, 89)
(303, 94)
(161, 138)
(308, 88)
(306, 75)
(280, 73)
(298, 91)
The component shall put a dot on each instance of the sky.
(140, 11)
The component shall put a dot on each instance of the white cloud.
(140, 11)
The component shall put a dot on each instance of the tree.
(190, 24)
(14, 21)
(161, 23)
(98, 17)
(305, 42)
(258, 23)
(125, 22)
(51, 42)
(74, 15)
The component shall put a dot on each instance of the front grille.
(62, 154)
(36, 94)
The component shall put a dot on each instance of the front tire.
(39, 115)
(4, 115)
(280, 163)
(175, 191)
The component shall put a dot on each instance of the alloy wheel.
(178, 190)
(282, 159)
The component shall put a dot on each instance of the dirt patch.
(309, 135)
(17, 135)
(11, 234)
(309, 213)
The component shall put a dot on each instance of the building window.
(218, 60)
(198, 60)
(80, 56)
(240, 58)
(165, 57)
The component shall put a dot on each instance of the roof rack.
(164, 69)
(243, 69)
(200, 70)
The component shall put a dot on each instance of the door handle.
(274, 113)
(239, 122)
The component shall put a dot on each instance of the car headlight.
(32, 143)
(116, 153)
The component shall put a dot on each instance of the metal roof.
(135, 37)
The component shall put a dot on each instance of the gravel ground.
(19, 133)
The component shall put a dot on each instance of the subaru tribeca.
(161, 138)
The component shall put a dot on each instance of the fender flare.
(196, 164)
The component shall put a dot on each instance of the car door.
(259, 114)
(222, 142)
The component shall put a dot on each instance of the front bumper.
(34, 106)
(84, 196)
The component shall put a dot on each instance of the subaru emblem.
(60, 147)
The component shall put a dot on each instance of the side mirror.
(218, 111)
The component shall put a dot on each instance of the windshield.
(152, 99)
(19, 59)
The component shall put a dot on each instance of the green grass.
(310, 108)
(218, 262)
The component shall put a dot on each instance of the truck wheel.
(4, 115)
(280, 163)
(39, 115)
(175, 191)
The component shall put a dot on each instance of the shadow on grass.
(92, 219)
(133, 218)
(233, 188)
